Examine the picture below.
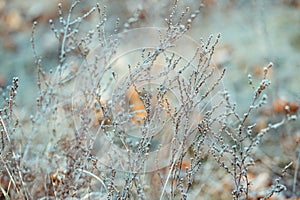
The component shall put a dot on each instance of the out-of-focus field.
(253, 34)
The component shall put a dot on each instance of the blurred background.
(253, 34)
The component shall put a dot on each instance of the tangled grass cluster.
(118, 121)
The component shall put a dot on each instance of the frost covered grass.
(144, 120)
